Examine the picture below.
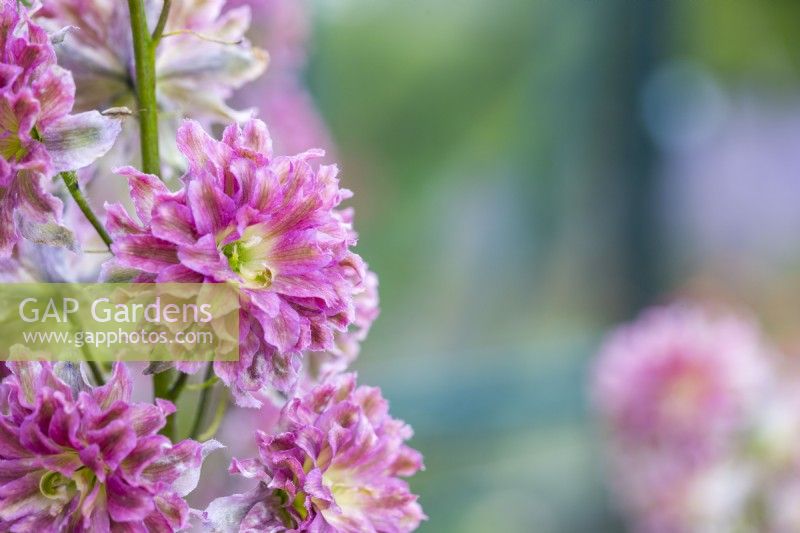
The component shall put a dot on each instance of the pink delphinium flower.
(675, 391)
(336, 467)
(38, 136)
(271, 225)
(77, 458)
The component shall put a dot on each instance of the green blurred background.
(527, 174)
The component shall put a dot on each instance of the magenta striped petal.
(144, 252)
(119, 222)
(211, 208)
(127, 503)
(173, 222)
(144, 189)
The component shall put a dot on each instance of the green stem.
(219, 414)
(162, 386)
(172, 394)
(202, 403)
(145, 53)
(161, 383)
(71, 181)
(177, 387)
(162, 23)
(204, 385)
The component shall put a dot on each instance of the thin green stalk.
(162, 386)
(219, 414)
(204, 385)
(172, 394)
(202, 403)
(71, 181)
(162, 23)
(145, 55)
(144, 50)
(177, 387)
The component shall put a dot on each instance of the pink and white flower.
(38, 135)
(270, 224)
(81, 458)
(335, 468)
(677, 392)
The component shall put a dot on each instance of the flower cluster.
(335, 467)
(701, 427)
(38, 135)
(268, 223)
(78, 458)
(78, 454)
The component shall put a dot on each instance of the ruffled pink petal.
(211, 208)
(202, 152)
(119, 222)
(144, 189)
(144, 252)
(22, 497)
(127, 503)
(55, 91)
(205, 258)
(118, 388)
(173, 222)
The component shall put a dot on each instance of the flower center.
(298, 504)
(56, 486)
(249, 256)
(11, 148)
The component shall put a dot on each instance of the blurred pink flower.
(679, 380)
(336, 467)
(677, 392)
